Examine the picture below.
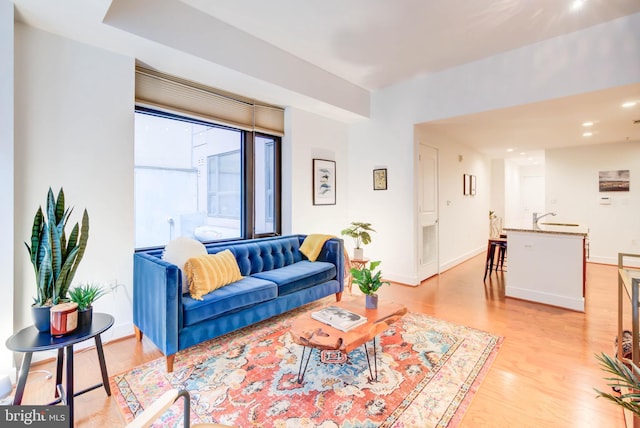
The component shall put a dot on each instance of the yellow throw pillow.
(210, 272)
(312, 245)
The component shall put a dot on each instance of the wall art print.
(380, 179)
(324, 182)
(614, 181)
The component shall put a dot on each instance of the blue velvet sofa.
(277, 278)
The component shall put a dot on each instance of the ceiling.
(377, 43)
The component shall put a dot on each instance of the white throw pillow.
(181, 249)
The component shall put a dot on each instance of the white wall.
(572, 192)
(562, 66)
(307, 137)
(385, 141)
(6, 179)
(498, 189)
(74, 129)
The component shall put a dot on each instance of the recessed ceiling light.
(577, 4)
(509, 150)
(523, 153)
(587, 134)
(587, 124)
(629, 104)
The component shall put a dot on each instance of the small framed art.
(472, 188)
(324, 182)
(380, 179)
(466, 184)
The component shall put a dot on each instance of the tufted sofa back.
(260, 255)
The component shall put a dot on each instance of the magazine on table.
(339, 318)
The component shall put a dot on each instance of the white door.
(427, 211)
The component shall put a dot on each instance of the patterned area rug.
(428, 372)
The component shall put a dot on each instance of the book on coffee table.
(339, 318)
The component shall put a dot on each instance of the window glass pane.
(264, 185)
(176, 193)
(225, 185)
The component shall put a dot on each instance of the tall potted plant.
(55, 258)
(359, 231)
(369, 283)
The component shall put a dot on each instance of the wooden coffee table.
(314, 334)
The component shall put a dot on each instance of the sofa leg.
(338, 296)
(138, 333)
(170, 359)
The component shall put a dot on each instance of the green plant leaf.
(367, 281)
(359, 232)
(54, 260)
(85, 295)
(624, 378)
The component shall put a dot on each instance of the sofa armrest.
(157, 301)
(333, 252)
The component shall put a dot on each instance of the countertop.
(552, 229)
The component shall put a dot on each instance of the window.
(203, 180)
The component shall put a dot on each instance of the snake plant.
(54, 258)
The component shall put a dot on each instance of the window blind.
(165, 92)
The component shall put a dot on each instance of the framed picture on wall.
(324, 182)
(613, 181)
(472, 185)
(466, 184)
(380, 179)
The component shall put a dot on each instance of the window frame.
(247, 145)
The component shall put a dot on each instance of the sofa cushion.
(240, 294)
(298, 276)
(181, 249)
(210, 272)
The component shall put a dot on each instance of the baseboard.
(461, 259)
(414, 281)
(403, 279)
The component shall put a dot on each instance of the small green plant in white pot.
(369, 282)
(359, 231)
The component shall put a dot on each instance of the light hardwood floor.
(543, 376)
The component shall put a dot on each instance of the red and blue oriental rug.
(428, 372)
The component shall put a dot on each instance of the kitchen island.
(547, 264)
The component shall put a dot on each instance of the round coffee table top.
(29, 339)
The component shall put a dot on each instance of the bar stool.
(491, 263)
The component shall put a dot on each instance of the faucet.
(536, 218)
